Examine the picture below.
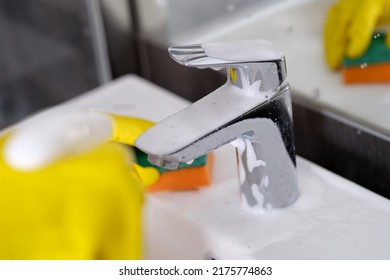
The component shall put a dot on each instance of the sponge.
(187, 177)
(372, 67)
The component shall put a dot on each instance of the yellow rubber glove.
(84, 206)
(349, 27)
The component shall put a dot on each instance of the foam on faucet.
(255, 190)
(216, 109)
(204, 116)
(250, 50)
(239, 144)
(251, 156)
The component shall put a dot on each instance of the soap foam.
(187, 126)
(239, 144)
(258, 196)
(247, 50)
(251, 157)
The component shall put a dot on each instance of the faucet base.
(260, 162)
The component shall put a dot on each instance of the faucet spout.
(257, 122)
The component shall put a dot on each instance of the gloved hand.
(66, 193)
(349, 28)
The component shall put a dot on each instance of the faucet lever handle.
(246, 61)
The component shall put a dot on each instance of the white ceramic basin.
(333, 218)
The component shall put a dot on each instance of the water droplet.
(363, 65)
(377, 35)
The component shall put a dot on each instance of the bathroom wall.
(48, 54)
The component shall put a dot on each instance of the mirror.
(294, 25)
(344, 128)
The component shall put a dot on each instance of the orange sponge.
(372, 67)
(373, 73)
(187, 177)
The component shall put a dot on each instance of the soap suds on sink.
(328, 221)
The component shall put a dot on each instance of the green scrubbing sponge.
(186, 177)
(372, 66)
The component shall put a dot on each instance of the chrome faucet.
(252, 110)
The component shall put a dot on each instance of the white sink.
(333, 218)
